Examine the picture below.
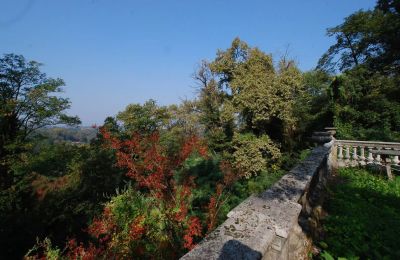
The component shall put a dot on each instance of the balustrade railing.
(355, 153)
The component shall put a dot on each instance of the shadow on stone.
(234, 249)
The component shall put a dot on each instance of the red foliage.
(102, 228)
(212, 212)
(76, 251)
(146, 163)
(231, 175)
(192, 144)
(137, 228)
(43, 185)
(194, 229)
(152, 170)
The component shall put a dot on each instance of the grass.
(363, 219)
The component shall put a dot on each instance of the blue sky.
(115, 52)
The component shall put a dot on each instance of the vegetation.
(76, 135)
(366, 94)
(363, 215)
(153, 180)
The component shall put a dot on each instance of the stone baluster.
(340, 155)
(354, 157)
(396, 159)
(362, 155)
(378, 158)
(370, 157)
(388, 162)
(347, 156)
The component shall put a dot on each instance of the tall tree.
(264, 95)
(365, 97)
(215, 109)
(144, 119)
(367, 37)
(28, 101)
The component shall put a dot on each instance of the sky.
(112, 53)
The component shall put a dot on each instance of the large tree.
(365, 97)
(28, 101)
(367, 37)
(263, 95)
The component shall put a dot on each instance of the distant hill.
(68, 134)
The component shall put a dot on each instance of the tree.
(28, 101)
(144, 119)
(215, 111)
(263, 95)
(365, 97)
(367, 37)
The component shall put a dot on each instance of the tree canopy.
(28, 101)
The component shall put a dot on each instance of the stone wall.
(266, 226)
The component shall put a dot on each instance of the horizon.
(114, 54)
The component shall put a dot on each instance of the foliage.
(364, 99)
(64, 134)
(367, 37)
(152, 217)
(363, 216)
(145, 118)
(252, 154)
(264, 96)
(59, 189)
(28, 101)
(51, 253)
(247, 106)
(156, 178)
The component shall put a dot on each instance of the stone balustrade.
(360, 153)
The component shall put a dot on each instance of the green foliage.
(29, 100)
(254, 154)
(364, 107)
(314, 109)
(26, 100)
(50, 252)
(363, 216)
(264, 96)
(64, 134)
(364, 99)
(59, 189)
(369, 37)
(145, 118)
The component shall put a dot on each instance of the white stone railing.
(360, 153)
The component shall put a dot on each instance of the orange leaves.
(137, 228)
(152, 170)
(212, 213)
(231, 175)
(192, 144)
(43, 185)
(146, 162)
(76, 251)
(194, 229)
(102, 228)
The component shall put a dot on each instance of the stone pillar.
(370, 157)
(347, 156)
(362, 155)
